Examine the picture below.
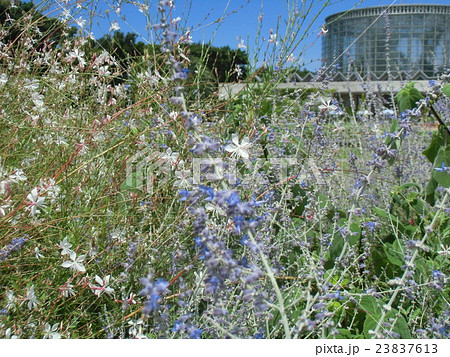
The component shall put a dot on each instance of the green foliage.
(442, 161)
(292, 298)
(407, 97)
(395, 252)
(437, 141)
(400, 326)
(437, 153)
(447, 89)
(392, 219)
(221, 61)
(372, 308)
(122, 46)
(17, 24)
(346, 334)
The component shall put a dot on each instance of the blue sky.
(239, 21)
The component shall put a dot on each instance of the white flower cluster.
(6, 181)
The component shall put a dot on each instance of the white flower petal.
(99, 280)
(230, 148)
(81, 258)
(79, 267)
(244, 154)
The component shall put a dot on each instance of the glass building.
(396, 42)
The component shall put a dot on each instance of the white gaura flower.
(37, 99)
(135, 327)
(239, 149)
(80, 22)
(11, 300)
(31, 298)
(114, 26)
(37, 253)
(49, 187)
(119, 235)
(50, 331)
(238, 71)
(65, 246)
(17, 176)
(76, 54)
(67, 289)
(142, 8)
(170, 157)
(327, 106)
(445, 252)
(76, 263)
(35, 202)
(183, 178)
(3, 209)
(241, 44)
(102, 286)
(216, 210)
(3, 79)
(273, 38)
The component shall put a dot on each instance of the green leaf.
(442, 158)
(266, 108)
(430, 190)
(447, 89)
(400, 325)
(372, 308)
(356, 234)
(411, 230)
(130, 184)
(346, 334)
(385, 214)
(381, 212)
(336, 279)
(394, 125)
(394, 253)
(370, 324)
(300, 194)
(445, 233)
(293, 300)
(437, 141)
(380, 263)
(370, 305)
(388, 141)
(409, 185)
(323, 201)
(336, 248)
(407, 97)
(423, 270)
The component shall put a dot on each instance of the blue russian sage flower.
(153, 290)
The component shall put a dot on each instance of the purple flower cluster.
(153, 290)
(184, 327)
(14, 246)
(218, 259)
(205, 145)
(439, 280)
(131, 256)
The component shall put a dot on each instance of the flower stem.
(280, 307)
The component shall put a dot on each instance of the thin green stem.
(270, 274)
